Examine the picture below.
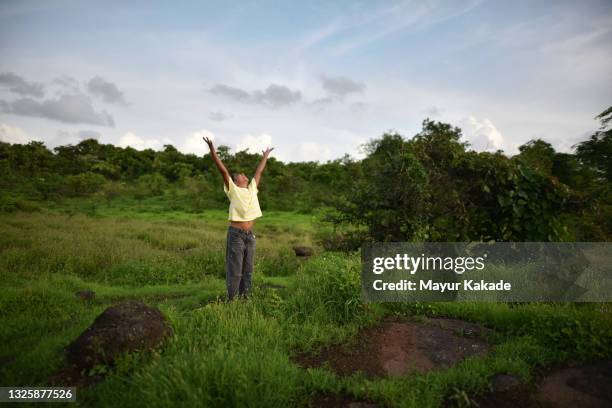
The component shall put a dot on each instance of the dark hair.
(235, 175)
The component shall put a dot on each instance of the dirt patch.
(585, 386)
(399, 347)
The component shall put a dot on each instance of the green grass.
(238, 354)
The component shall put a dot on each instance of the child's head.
(240, 179)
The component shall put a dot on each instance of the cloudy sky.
(314, 79)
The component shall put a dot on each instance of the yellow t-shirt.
(244, 205)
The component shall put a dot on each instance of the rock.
(461, 328)
(569, 387)
(86, 294)
(302, 251)
(126, 327)
(504, 382)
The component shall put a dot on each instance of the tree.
(538, 155)
(430, 188)
(390, 199)
(597, 150)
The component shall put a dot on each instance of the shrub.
(329, 290)
(283, 263)
(150, 185)
(83, 184)
(10, 204)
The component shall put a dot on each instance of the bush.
(48, 186)
(113, 189)
(284, 263)
(10, 204)
(329, 290)
(198, 192)
(83, 184)
(572, 333)
(150, 185)
(207, 262)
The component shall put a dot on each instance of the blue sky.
(313, 79)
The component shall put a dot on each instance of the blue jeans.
(239, 255)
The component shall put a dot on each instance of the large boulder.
(123, 328)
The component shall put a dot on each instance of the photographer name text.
(430, 285)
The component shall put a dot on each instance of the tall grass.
(136, 251)
(238, 354)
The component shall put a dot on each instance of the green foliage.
(339, 236)
(114, 190)
(83, 184)
(597, 150)
(134, 272)
(145, 242)
(239, 353)
(573, 334)
(537, 154)
(427, 188)
(9, 204)
(390, 197)
(591, 214)
(192, 182)
(329, 289)
(170, 164)
(285, 263)
(199, 190)
(431, 188)
(573, 331)
(108, 170)
(149, 185)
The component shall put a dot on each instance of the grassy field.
(239, 354)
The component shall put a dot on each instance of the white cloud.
(75, 108)
(13, 135)
(274, 95)
(341, 86)
(15, 83)
(66, 137)
(312, 151)
(107, 91)
(138, 143)
(254, 144)
(195, 144)
(88, 134)
(369, 25)
(482, 134)
(433, 111)
(525, 103)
